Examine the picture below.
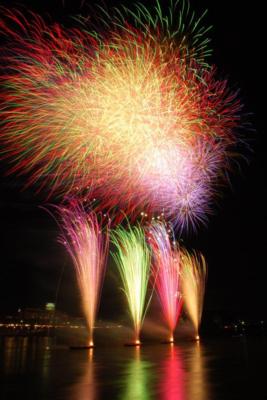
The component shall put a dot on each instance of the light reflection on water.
(86, 387)
(197, 383)
(36, 369)
(137, 378)
(173, 376)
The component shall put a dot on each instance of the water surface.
(223, 369)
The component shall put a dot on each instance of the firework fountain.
(166, 272)
(194, 273)
(87, 245)
(133, 261)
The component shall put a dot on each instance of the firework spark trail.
(134, 116)
(133, 261)
(187, 177)
(166, 271)
(194, 271)
(87, 245)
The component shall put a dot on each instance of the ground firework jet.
(87, 245)
(166, 273)
(194, 275)
(131, 116)
(133, 262)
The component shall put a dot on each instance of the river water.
(218, 369)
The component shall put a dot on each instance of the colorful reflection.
(197, 382)
(85, 389)
(19, 352)
(184, 374)
(172, 386)
(138, 378)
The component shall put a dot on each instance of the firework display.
(87, 245)
(167, 274)
(133, 262)
(120, 113)
(194, 271)
(131, 117)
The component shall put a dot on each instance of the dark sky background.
(234, 242)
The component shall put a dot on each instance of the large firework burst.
(132, 117)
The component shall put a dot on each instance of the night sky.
(33, 264)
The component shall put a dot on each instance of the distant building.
(44, 316)
(50, 306)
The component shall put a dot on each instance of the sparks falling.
(132, 117)
(133, 262)
(194, 271)
(87, 245)
(166, 271)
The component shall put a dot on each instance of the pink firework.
(166, 272)
(88, 246)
